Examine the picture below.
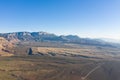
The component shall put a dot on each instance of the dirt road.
(90, 72)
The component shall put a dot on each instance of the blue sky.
(86, 18)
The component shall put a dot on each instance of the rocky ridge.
(49, 37)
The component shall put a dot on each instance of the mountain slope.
(5, 47)
(48, 37)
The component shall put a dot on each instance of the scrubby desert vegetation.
(57, 59)
(57, 68)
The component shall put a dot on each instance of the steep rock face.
(5, 47)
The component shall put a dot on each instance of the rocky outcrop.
(5, 47)
(30, 52)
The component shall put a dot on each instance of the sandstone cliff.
(5, 47)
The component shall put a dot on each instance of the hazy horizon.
(85, 18)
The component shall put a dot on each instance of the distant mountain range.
(49, 37)
(111, 40)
